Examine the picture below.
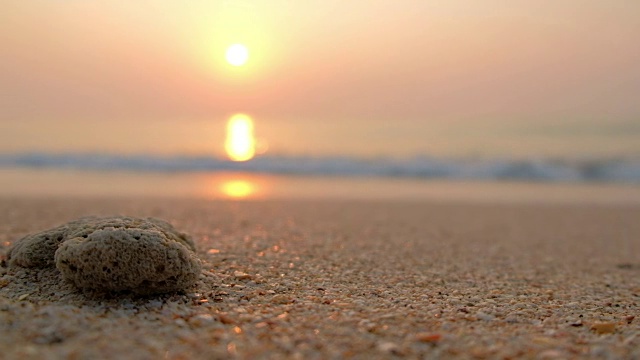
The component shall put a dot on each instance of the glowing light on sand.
(237, 54)
(238, 189)
(241, 143)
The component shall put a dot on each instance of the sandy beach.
(319, 180)
(346, 279)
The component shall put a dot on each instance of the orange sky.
(367, 78)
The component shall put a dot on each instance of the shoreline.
(124, 185)
(346, 279)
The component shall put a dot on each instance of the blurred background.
(260, 99)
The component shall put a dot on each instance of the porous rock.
(118, 253)
(37, 250)
(143, 261)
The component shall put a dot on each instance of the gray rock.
(91, 225)
(144, 256)
(143, 261)
(37, 250)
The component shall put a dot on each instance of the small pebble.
(241, 275)
(429, 337)
(603, 327)
(388, 347)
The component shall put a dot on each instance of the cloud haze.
(417, 63)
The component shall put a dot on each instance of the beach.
(319, 180)
(330, 279)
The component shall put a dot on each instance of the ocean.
(615, 170)
(612, 181)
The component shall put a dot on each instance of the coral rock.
(139, 260)
(114, 253)
(37, 250)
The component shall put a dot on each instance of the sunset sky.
(358, 78)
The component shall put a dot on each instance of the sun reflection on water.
(234, 186)
(238, 189)
(241, 143)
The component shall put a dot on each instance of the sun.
(237, 54)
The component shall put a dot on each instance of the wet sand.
(346, 279)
